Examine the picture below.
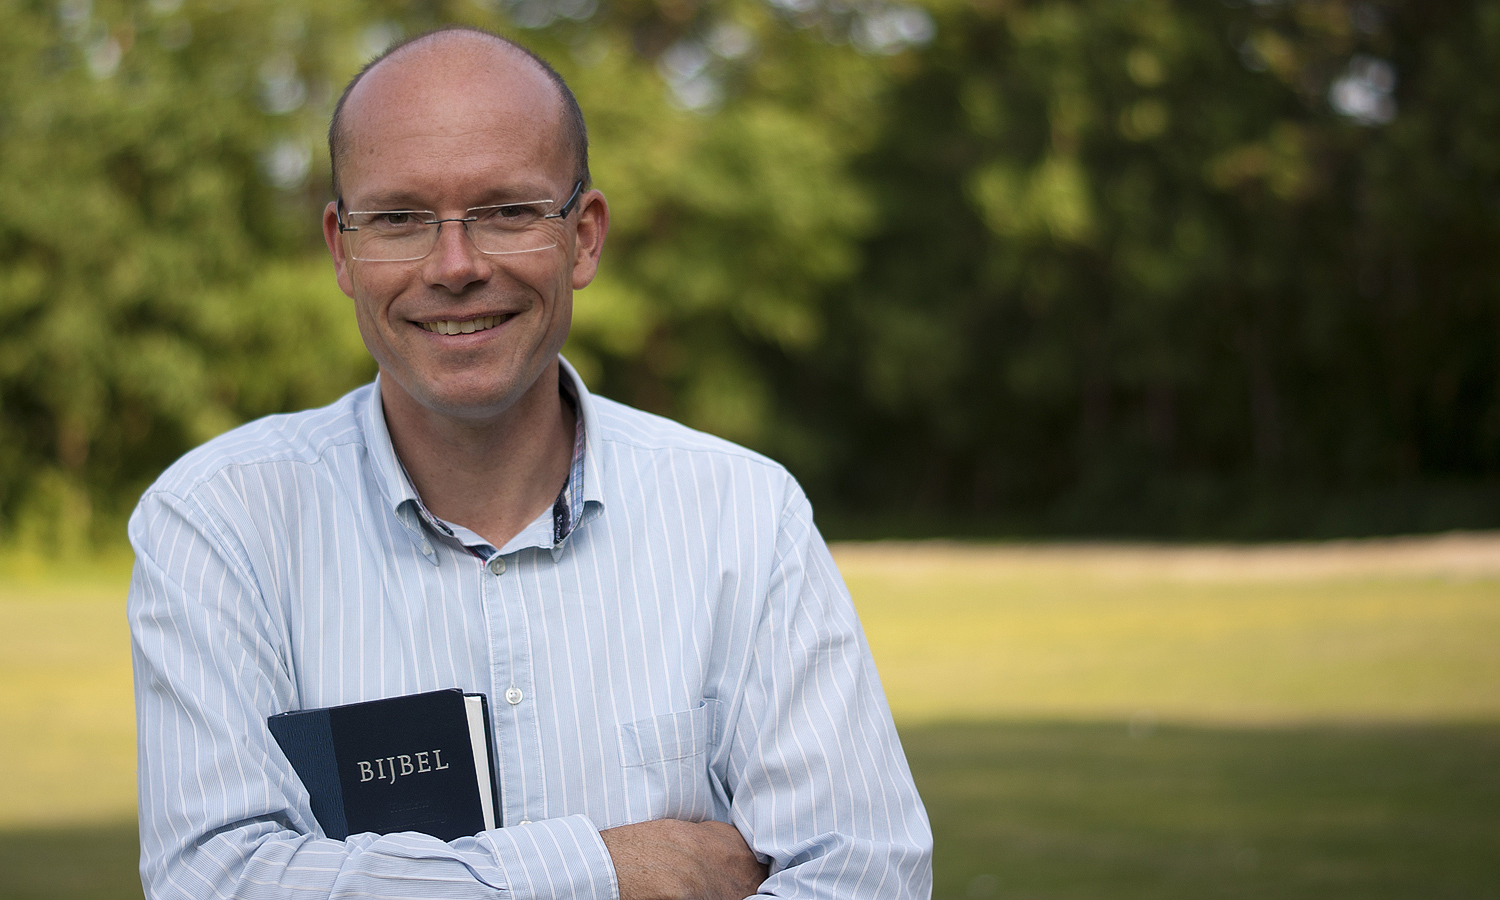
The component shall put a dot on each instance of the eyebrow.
(389, 202)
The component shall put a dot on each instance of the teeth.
(450, 326)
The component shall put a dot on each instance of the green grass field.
(1087, 721)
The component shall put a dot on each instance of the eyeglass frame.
(563, 213)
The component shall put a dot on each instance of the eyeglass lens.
(395, 236)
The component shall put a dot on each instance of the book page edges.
(479, 742)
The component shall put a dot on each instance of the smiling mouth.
(468, 326)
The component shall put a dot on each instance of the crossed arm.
(221, 815)
(670, 859)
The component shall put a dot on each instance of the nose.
(455, 263)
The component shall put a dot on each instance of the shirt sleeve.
(222, 814)
(820, 785)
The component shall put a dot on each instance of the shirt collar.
(390, 476)
(579, 501)
(581, 498)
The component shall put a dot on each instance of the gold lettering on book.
(389, 768)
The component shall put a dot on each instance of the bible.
(421, 762)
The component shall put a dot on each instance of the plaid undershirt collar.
(570, 498)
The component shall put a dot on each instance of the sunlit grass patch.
(67, 714)
(1355, 633)
(1090, 721)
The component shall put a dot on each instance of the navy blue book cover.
(397, 764)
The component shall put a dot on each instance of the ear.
(335, 241)
(593, 224)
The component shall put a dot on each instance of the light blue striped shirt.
(688, 649)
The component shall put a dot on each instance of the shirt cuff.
(554, 858)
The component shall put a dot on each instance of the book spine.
(307, 740)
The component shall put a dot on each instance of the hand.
(670, 859)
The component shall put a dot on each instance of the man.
(683, 702)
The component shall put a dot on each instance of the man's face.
(445, 126)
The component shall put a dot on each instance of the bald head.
(472, 47)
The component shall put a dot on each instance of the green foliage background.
(1079, 265)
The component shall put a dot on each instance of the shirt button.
(497, 565)
(513, 696)
(524, 822)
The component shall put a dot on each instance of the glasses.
(403, 235)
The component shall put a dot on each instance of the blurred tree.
(162, 277)
(1163, 266)
(153, 163)
(735, 207)
(1063, 263)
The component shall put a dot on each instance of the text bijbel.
(389, 768)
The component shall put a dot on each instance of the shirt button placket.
(514, 721)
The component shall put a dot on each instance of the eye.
(391, 222)
(509, 215)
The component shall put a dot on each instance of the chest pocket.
(666, 758)
(676, 735)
